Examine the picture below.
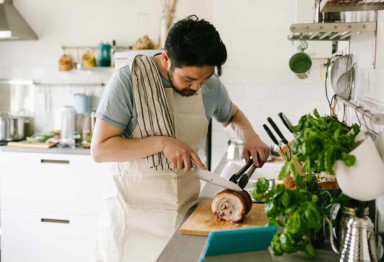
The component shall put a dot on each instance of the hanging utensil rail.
(31, 82)
(68, 84)
(330, 31)
(377, 119)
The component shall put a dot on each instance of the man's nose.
(195, 85)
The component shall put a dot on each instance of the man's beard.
(185, 92)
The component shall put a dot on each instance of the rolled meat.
(231, 205)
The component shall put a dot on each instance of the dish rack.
(351, 5)
(329, 31)
(337, 31)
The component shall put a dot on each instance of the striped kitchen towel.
(152, 109)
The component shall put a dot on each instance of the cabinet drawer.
(51, 183)
(29, 236)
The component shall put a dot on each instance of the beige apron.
(142, 207)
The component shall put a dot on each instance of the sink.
(270, 170)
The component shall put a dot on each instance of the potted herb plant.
(320, 142)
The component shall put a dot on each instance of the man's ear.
(165, 61)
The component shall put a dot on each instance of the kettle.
(356, 236)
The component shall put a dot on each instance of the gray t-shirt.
(117, 106)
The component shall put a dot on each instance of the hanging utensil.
(345, 84)
(339, 66)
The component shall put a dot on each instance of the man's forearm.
(119, 149)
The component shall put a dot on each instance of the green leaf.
(286, 198)
(276, 246)
(310, 251)
(285, 170)
(313, 216)
(287, 243)
(294, 224)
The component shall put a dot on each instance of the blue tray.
(238, 241)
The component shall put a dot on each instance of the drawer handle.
(53, 161)
(51, 220)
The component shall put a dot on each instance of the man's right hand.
(180, 154)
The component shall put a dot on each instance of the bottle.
(113, 50)
(104, 55)
(67, 138)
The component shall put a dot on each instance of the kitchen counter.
(189, 248)
(53, 150)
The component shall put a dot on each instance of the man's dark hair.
(194, 42)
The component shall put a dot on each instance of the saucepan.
(13, 127)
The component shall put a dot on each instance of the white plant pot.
(364, 180)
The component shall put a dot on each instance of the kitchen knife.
(285, 121)
(216, 179)
(270, 134)
(277, 130)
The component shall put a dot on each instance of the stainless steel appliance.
(357, 241)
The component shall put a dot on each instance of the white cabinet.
(30, 236)
(49, 206)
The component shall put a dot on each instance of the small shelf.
(330, 31)
(352, 5)
(94, 48)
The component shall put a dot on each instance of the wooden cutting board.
(31, 144)
(202, 221)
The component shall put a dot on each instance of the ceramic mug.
(364, 180)
(82, 103)
(300, 63)
(88, 59)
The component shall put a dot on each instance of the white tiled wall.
(264, 93)
(53, 89)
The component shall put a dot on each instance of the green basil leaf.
(310, 251)
(286, 198)
(287, 244)
(293, 224)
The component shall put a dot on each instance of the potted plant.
(320, 142)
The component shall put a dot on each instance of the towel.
(152, 109)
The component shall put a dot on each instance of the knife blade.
(216, 179)
(277, 130)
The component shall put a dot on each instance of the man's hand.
(254, 147)
(180, 154)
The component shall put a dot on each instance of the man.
(150, 121)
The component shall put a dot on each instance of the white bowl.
(364, 180)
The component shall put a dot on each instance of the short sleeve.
(116, 104)
(217, 102)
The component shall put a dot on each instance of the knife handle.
(270, 134)
(285, 121)
(277, 130)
